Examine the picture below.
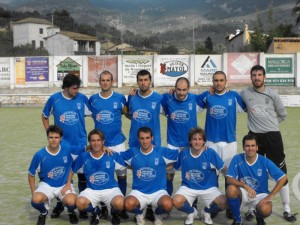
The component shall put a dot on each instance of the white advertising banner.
(169, 67)
(4, 72)
(205, 66)
(132, 64)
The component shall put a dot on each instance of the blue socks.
(40, 207)
(170, 187)
(234, 205)
(187, 208)
(213, 209)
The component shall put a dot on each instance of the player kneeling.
(199, 179)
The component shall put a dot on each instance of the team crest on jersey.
(65, 158)
(259, 172)
(78, 105)
(153, 105)
(267, 100)
(229, 101)
(204, 165)
(156, 161)
(115, 105)
(190, 106)
(107, 164)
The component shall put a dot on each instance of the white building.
(32, 31)
(71, 43)
(40, 33)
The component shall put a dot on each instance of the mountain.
(153, 16)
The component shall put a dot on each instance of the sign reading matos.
(169, 68)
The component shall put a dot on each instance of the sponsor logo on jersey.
(180, 116)
(146, 174)
(99, 178)
(57, 173)
(194, 176)
(259, 110)
(142, 116)
(69, 118)
(218, 112)
(105, 117)
(251, 182)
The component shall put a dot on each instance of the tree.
(258, 39)
(209, 46)
(169, 50)
(296, 11)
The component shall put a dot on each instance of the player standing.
(265, 112)
(107, 107)
(69, 108)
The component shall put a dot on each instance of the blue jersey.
(107, 115)
(199, 172)
(256, 175)
(144, 111)
(220, 123)
(69, 115)
(99, 172)
(149, 170)
(182, 116)
(54, 169)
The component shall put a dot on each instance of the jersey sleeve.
(34, 165)
(120, 163)
(177, 164)
(233, 168)
(201, 99)
(47, 111)
(87, 106)
(78, 163)
(170, 155)
(216, 160)
(274, 171)
(241, 105)
(127, 156)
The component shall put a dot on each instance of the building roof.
(78, 36)
(286, 39)
(33, 20)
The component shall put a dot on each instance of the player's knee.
(130, 204)
(118, 202)
(221, 202)
(38, 198)
(69, 199)
(81, 203)
(167, 203)
(232, 191)
(177, 202)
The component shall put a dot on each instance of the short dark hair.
(249, 137)
(106, 72)
(182, 78)
(219, 72)
(71, 80)
(144, 130)
(258, 67)
(197, 130)
(96, 131)
(143, 73)
(54, 129)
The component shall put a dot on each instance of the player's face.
(258, 78)
(144, 83)
(182, 89)
(250, 148)
(54, 140)
(96, 143)
(72, 91)
(105, 82)
(145, 140)
(219, 83)
(197, 141)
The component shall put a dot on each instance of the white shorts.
(148, 199)
(119, 148)
(225, 150)
(97, 196)
(52, 192)
(252, 202)
(207, 196)
(172, 171)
